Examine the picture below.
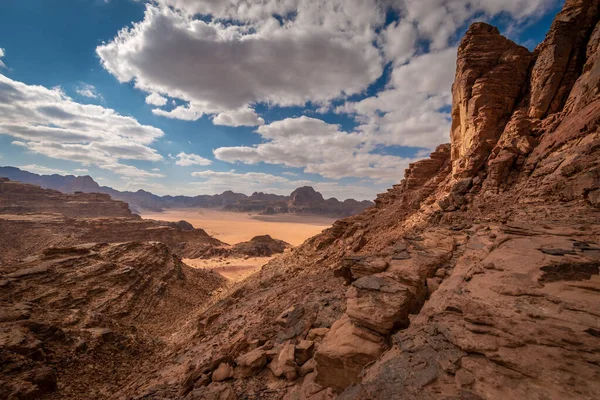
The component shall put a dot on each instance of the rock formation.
(303, 200)
(67, 311)
(33, 219)
(476, 277)
(260, 246)
(19, 199)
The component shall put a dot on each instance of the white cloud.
(156, 99)
(82, 170)
(87, 90)
(319, 148)
(324, 52)
(2, 54)
(438, 20)
(47, 122)
(186, 160)
(242, 117)
(40, 169)
(400, 40)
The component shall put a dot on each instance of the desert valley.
(476, 276)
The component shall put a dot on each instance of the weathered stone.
(344, 352)
(560, 56)
(250, 363)
(291, 316)
(284, 364)
(304, 351)
(491, 72)
(307, 367)
(379, 303)
(317, 334)
(223, 372)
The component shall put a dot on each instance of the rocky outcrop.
(304, 200)
(561, 56)
(33, 219)
(77, 319)
(305, 196)
(18, 198)
(260, 246)
(490, 74)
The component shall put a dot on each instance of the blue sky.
(192, 97)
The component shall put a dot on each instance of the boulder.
(379, 303)
(290, 316)
(346, 349)
(304, 351)
(250, 363)
(223, 372)
(317, 334)
(284, 364)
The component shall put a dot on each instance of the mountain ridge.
(139, 200)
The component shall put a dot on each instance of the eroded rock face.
(379, 303)
(347, 348)
(33, 219)
(260, 246)
(490, 74)
(19, 198)
(560, 57)
(478, 284)
(71, 307)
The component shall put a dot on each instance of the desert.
(474, 275)
(232, 227)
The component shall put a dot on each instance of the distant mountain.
(304, 200)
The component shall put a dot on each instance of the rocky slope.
(33, 219)
(476, 277)
(228, 200)
(76, 321)
(17, 198)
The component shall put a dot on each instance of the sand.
(233, 269)
(232, 228)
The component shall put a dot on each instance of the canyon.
(475, 277)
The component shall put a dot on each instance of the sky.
(189, 97)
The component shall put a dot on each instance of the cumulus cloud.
(156, 99)
(324, 52)
(242, 117)
(186, 160)
(87, 90)
(438, 20)
(2, 54)
(47, 122)
(318, 147)
(42, 170)
(412, 110)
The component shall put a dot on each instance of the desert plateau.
(214, 261)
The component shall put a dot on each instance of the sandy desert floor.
(233, 228)
(234, 269)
